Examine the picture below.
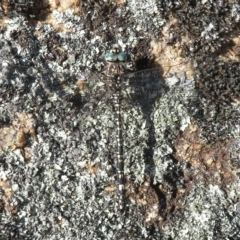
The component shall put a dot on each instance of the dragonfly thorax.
(114, 62)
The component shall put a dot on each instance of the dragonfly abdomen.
(119, 138)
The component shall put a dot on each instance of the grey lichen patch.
(52, 21)
(213, 97)
(235, 155)
(31, 9)
(204, 214)
(67, 190)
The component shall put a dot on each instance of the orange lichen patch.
(168, 56)
(7, 196)
(156, 202)
(14, 136)
(93, 168)
(170, 60)
(11, 138)
(212, 160)
(110, 189)
(145, 196)
(120, 2)
(82, 85)
(27, 154)
(5, 5)
(66, 4)
(53, 4)
(21, 140)
(63, 5)
(26, 123)
(6, 186)
(3, 25)
(7, 137)
(236, 100)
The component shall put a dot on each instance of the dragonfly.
(114, 69)
(140, 88)
(115, 79)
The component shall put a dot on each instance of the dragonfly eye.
(122, 57)
(111, 57)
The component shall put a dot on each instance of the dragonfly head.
(115, 55)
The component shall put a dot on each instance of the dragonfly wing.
(95, 93)
(143, 87)
(37, 84)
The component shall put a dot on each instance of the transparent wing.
(143, 87)
(154, 112)
(27, 84)
(21, 84)
(95, 91)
